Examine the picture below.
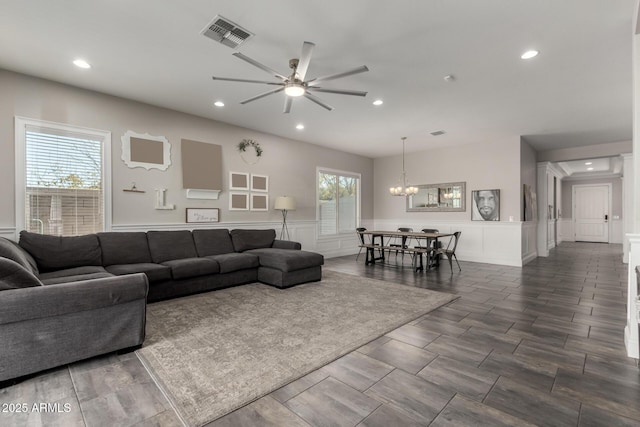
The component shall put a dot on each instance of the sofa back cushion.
(243, 240)
(15, 276)
(212, 242)
(58, 252)
(11, 250)
(168, 245)
(124, 248)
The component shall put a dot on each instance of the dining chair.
(430, 246)
(359, 231)
(403, 241)
(449, 252)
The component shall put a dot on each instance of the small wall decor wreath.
(242, 146)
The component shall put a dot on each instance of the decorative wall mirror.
(145, 151)
(447, 197)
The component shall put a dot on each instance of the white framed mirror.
(141, 150)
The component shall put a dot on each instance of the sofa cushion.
(244, 240)
(58, 252)
(155, 272)
(192, 267)
(235, 261)
(168, 245)
(74, 271)
(11, 250)
(15, 276)
(287, 259)
(74, 274)
(124, 248)
(212, 242)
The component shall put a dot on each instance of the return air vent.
(226, 32)
(438, 133)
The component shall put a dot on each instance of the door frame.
(609, 206)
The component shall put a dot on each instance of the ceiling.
(577, 91)
(592, 168)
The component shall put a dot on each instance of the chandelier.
(404, 189)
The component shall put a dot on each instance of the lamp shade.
(285, 203)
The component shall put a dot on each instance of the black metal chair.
(403, 241)
(359, 231)
(449, 252)
(430, 246)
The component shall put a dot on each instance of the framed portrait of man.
(485, 205)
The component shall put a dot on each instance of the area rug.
(215, 352)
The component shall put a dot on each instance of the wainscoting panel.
(529, 241)
(490, 242)
(8, 233)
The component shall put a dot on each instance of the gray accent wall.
(290, 164)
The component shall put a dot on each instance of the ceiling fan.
(295, 85)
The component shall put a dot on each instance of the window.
(338, 202)
(61, 184)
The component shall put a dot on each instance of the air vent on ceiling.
(226, 32)
(438, 133)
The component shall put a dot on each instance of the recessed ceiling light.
(589, 169)
(219, 104)
(529, 54)
(81, 63)
(588, 163)
(378, 102)
(300, 126)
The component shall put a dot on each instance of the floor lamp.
(285, 204)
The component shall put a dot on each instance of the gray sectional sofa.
(65, 299)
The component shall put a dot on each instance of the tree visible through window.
(338, 202)
(63, 181)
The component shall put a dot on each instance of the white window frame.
(351, 174)
(21, 125)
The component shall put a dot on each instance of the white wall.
(485, 165)
(291, 165)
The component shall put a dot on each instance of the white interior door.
(591, 213)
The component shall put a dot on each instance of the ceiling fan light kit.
(294, 89)
(295, 85)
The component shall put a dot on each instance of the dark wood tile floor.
(538, 345)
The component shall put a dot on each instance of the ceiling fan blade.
(338, 91)
(228, 79)
(318, 101)
(287, 104)
(262, 95)
(360, 69)
(305, 59)
(259, 65)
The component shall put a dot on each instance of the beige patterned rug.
(215, 352)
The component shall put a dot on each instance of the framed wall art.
(259, 202)
(238, 201)
(145, 151)
(485, 205)
(238, 181)
(259, 182)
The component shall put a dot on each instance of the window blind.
(63, 182)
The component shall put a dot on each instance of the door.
(591, 213)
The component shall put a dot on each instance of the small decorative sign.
(203, 214)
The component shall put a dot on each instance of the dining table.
(381, 240)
